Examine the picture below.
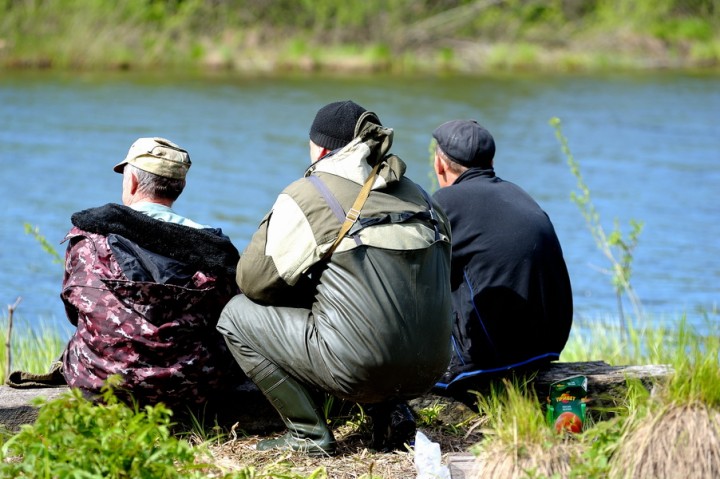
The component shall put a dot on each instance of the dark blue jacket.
(512, 299)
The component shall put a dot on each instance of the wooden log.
(602, 377)
(607, 385)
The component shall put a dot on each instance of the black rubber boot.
(307, 428)
(393, 426)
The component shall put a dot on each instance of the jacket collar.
(355, 161)
(205, 249)
(474, 173)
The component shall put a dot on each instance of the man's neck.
(147, 199)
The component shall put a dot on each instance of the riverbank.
(669, 433)
(399, 36)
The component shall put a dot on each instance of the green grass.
(512, 415)
(649, 341)
(33, 349)
(696, 360)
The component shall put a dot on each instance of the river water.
(648, 147)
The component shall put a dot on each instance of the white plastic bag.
(427, 459)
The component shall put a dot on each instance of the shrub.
(73, 437)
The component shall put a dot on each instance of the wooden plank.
(462, 466)
(245, 405)
(16, 406)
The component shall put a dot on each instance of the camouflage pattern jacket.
(145, 296)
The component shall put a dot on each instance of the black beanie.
(334, 124)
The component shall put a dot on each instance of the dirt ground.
(454, 426)
(353, 460)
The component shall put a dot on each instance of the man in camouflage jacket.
(145, 287)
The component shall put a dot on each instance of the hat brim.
(120, 166)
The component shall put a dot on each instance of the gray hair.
(157, 186)
(452, 165)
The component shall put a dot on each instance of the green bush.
(73, 437)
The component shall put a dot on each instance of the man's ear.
(439, 165)
(321, 153)
(133, 183)
(317, 151)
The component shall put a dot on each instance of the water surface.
(648, 146)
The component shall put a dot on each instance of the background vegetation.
(376, 35)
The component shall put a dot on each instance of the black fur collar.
(205, 249)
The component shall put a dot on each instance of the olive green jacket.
(383, 298)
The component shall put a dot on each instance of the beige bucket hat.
(159, 156)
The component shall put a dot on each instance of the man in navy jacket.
(511, 293)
